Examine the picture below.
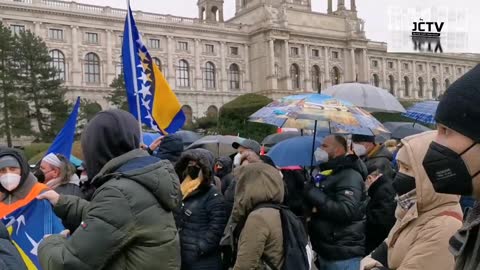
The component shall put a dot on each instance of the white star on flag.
(145, 91)
(143, 77)
(146, 104)
(139, 41)
(34, 244)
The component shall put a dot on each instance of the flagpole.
(134, 70)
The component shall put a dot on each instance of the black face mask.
(447, 170)
(403, 183)
(39, 175)
(193, 171)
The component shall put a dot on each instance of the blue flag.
(28, 225)
(148, 92)
(64, 141)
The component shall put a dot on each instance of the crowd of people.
(366, 206)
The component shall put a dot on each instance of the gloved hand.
(368, 263)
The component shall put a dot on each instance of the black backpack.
(295, 239)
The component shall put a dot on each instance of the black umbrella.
(188, 137)
(401, 130)
(273, 139)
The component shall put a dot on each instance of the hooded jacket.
(171, 148)
(27, 189)
(225, 175)
(129, 222)
(465, 244)
(9, 256)
(380, 158)
(337, 228)
(419, 239)
(261, 236)
(201, 219)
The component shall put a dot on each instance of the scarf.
(189, 185)
(406, 201)
(54, 183)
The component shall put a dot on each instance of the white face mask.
(320, 155)
(359, 149)
(10, 181)
(237, 160)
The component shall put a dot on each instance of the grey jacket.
(465, 244)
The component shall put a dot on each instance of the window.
(295, 76)
(434, 88)
(182, 46)
(391, 80)
(234, 50)
(293, 51)
(56, 34)
(92, 38)
(434, 68)
(210, 75)
(315, 53)
(187, 110)
(277, 71)
(17, 29)
(406, 82)
(234, 76)
(209, 48)
(92, 68)
(316, 85)
(447, 69)
(154, 43)
(376, 80)
(375, 63)
(158, 62)
(447, 83)
(57, 61)
(120, 40)
(335, 55)
(183, 74)
(459, 70)
(390, 65)
(405, 66)
(420, 87)
(335, 76)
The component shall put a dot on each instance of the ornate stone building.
(273, 47)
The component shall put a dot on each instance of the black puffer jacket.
(381, 160)
(9, 256)
(201, 219)
(171, 148)
(225, 174)
(380, 212)
(337, 227)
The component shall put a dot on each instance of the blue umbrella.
(148, 137)
(295, 151)
(423, 112)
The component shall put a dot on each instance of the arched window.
(58, 63)
(277, 71)
(420, 87)
(215, 14)
(295, 76)
(234, 76)
(406, 82)
(92, 68)
(335, 76)
(447, 84)
(187, 110)
(183, 74)
(158, 62)
(434, 88)
(391, 81)
(316, 85)
(212, 112)
(376, 80)
(209, 75)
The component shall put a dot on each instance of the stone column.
(308, 82)
(330, 8)
(223, 82)
(384, 69)
(37, 30)
(341, 5)
(428, 85)
(366, 71)
(76, 68)
(110, 62)
(198, 69)
(353, 5)
(271, 56)
(414, 92)
(287, 66)
(328, 81)
(247, 83)
(353, 65)
(171, 70)
(441, 86)
(399, 89)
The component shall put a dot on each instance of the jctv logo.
(420, 29)
(426, 36)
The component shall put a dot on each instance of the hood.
(204, 159)
(157, 176)
(108, 135)
(24, 167)
(346, 162)
(256, 183)
(381, 151)
(171, 148)
(227, 165)
(412, 153)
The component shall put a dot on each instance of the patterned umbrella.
(423, 112)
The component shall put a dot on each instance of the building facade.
(271, 47)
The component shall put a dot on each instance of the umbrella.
(401, 130)
(275, 138)
(294, 151)
(219, 145)
(148, 137)
(188, 137)
(75, 161)
(423, 112)
(366, 96)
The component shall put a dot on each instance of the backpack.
(295, 239)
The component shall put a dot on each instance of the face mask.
(39, 175)
(193, 172)
(10, 181)
(359, 150)
(320, 155)
(403, 183)
(237, 160)
(447, 170)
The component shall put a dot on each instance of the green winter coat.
(127, 225)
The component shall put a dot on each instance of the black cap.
(459, 109)
(249, 144)
(362, 138)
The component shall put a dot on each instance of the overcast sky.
(374, 12)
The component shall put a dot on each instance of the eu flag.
(148, 91)
(28, 225)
